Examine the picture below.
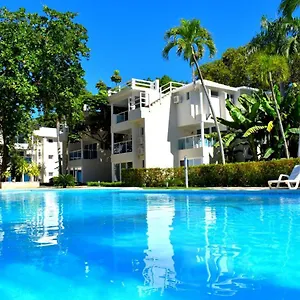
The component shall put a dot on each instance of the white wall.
(160, 131)
(50, 164)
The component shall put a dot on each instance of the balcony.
(122, 117)
(123, 147)
(133, 84)
(192, 142)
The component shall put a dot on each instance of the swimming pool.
(99, 244)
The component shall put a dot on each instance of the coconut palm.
(281, 37)
(287, 7)
(191, 40)
(266, 68)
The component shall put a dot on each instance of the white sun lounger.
(285, 181)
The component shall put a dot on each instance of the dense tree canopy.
(40, 68)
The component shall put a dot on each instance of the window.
(90, 151)
(50, 174)
(191, 162)
(214, 94)
(129, 165)
(50, 140)
(50, 156)
(188, 96)
(143, 163)
(142, 131)
(39, 153)
(75, 155)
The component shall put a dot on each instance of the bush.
(64, 180)
(93, 183)
(250, 174)
(105, 184)
(111, 184)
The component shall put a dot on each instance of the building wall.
(161, 135)
(50, 158)
(92, 169)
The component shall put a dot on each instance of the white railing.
(192, 142)
(122, 117)
(138, 101)
(170, 87)
(122, 147)
(133, 84)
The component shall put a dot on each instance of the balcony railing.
(133, 84)
(192, 142)
(122, 117)
(123, 147)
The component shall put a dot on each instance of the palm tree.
(33, 171)
(21, 167)
(265, 67)
(191, 40)
(280, 37)
(287, 7)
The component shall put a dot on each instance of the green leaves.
(253, 130)
(40, 68)
(189, 35)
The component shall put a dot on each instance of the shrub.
(111, 184)
(64, 180)
(105, 184)
(93, 183)
(250, 174)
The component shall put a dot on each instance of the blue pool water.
(92, 244)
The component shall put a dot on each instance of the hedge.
(104, 184)
(249, 174)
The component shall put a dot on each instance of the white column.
(202, 124)
(81, 149)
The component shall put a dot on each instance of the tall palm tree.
(264, 67)
(191, 40)
(280, 37)
(287, 7)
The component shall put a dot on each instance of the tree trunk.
(253, 148)
(58, 148)
(5, 158)
(65, 156)
(212, 110)
(279, 117)
(299, 145)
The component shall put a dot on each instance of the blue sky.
(128, 35)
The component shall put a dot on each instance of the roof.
(46, 132)
(208, 83)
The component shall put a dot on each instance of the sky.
(128, 35)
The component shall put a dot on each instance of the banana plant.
(255, 123)
(250, 121)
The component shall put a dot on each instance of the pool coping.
(200, 191)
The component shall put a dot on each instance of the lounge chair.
(285, 181)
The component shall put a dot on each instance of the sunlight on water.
(133, 245)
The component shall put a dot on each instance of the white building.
(43, 151)
(156, 126)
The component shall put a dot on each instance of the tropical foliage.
(41, 70)
(255, 124)
(64, 180)
(287, 7)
